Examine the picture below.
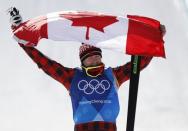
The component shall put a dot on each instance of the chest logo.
(93, 86)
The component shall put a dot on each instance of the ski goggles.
(94, 71)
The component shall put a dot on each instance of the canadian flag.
(134, 35)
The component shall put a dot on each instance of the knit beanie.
(87, 50)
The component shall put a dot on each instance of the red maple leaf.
(90, 20)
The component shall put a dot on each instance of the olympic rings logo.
(93, 85)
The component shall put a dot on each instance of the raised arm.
(122, 73)
(60, 73)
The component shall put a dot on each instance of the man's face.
(93, 60)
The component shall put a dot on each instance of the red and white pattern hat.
(88, 50)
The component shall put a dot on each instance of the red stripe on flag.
(144, 37)
(32, 30)
(146, 20)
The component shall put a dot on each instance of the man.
(93, 88)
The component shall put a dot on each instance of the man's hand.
(15, 17)
(163, 29)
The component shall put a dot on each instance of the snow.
(30, 100)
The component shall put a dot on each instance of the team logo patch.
(94, 86)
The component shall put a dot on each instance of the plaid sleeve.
(60, 73)
(122, 73)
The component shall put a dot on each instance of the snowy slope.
(30, 100)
